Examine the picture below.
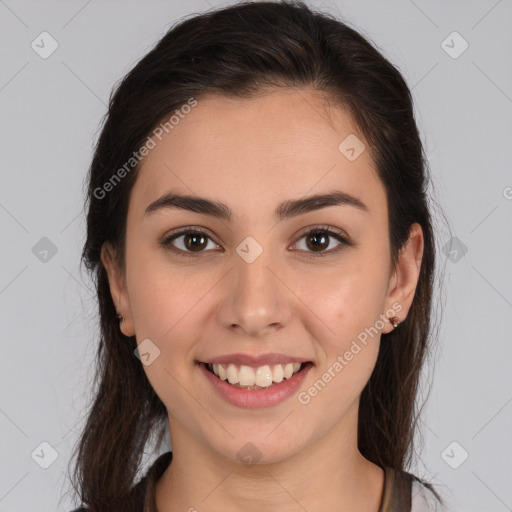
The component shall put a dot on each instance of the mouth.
(255, 377)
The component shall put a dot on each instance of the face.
(274, 279)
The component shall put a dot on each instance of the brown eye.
(193, 242)
(318, 240)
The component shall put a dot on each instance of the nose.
(256, 298)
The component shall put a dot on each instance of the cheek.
(348, 298)
(349, 302)
(342, 381)
(166, 310)
(349, 347)
(163, 300)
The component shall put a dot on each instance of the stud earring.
(394, 321)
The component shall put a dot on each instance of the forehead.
(250, 152)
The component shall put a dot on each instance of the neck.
(329, 474)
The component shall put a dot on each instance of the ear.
(118, 289)
(404, 280)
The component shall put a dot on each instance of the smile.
(271, 385)
(248, 377)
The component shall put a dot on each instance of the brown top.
(396, 496)
(397, 491)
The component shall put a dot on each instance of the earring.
(394, 321)
(120, 318)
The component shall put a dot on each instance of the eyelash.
(166, 242)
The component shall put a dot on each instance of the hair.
(238, 52)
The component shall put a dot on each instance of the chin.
(259, 449)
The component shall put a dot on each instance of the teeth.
(278, 373)
(232, 374)
(262, 376)
(221, 372)
(246, 376)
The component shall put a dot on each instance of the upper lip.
(264, 359)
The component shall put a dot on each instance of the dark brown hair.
(239, 51)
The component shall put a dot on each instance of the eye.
(317, 240)
(195, 241)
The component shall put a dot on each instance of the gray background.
(50, 110)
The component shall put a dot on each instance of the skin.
(253, 154)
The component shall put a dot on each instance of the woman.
(259, 232)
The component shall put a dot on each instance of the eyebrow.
(286, 210)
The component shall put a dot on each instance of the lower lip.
(257, 398)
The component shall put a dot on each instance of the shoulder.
(406, 492)
(424, 498)
(133, 501)
(143, 491)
